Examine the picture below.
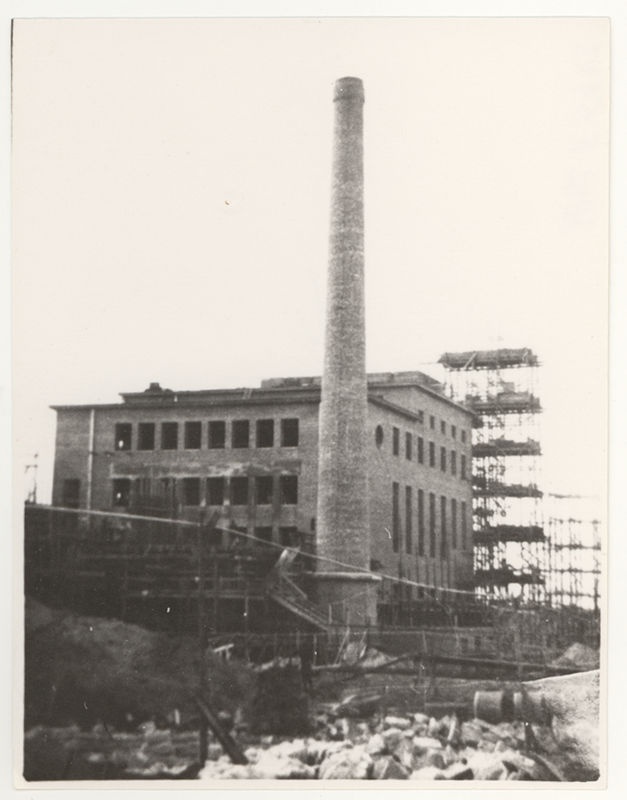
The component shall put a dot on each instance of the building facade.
(250, 456)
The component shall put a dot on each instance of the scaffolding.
(574, 563)
(510, 546)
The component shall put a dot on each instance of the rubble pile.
(415, 747)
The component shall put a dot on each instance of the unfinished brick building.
(252, 456)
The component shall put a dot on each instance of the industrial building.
(251, 457)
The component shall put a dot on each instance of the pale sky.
(171, 185)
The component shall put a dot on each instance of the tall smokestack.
(343, 530)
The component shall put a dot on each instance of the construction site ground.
(107, 700)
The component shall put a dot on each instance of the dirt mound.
(88, 669)
(579, 655)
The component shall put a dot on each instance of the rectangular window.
(431, 524)
(146, 436)
(288, 537)
(443, 541)
(71, 493)
(454, 524)
(167, 492)
(217, 434)
(443, 427)
(239, 491)
(143, 490)
(432, 454)
(432, 422)
(443, 459)
(462, 467)
(191, 491)
(289, 433)
(408, 519)
(421, 522)
(123, 436)
(288, 485)
(193, 435)
(263, 534)
(241, 433)
(215, 491)
(453, 462)
(421, 450)
(454, 431)
(263, 490)
(408, 438)
(395, 517)
(395, 441)
(169, 435)
(463, 435)
(464, 524)
(121, 492)
(421, 417)
(265, 433)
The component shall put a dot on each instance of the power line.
(275, 545)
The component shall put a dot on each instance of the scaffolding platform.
(503, 576)
(487, 488)
(506, 447)
(505, 403)
(503, 358)
(509, 533)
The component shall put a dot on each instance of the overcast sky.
(171, 205)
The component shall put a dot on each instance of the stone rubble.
(396, 747)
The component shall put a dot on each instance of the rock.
(317, 751)
(423, 744)
(396, 722)
(406, 755)
(421, 719)
(271, 766)
(517, 762)
(392, 738)
(353, 764)
(426, 774)
(458, 772)
(573, 701)
(434, 759)
(376, 744)
(295, 748)
(223, 768)
(450, 755)
(433, 727)
(470, 733)
(387, 768)
(487, 767)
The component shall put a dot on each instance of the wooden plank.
(231, 748)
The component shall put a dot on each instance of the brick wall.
(385, 469)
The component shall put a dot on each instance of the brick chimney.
(343, 528)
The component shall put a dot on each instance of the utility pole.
(204, 530)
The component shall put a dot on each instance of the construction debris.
(132, 717)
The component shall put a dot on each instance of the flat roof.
(274, 390)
